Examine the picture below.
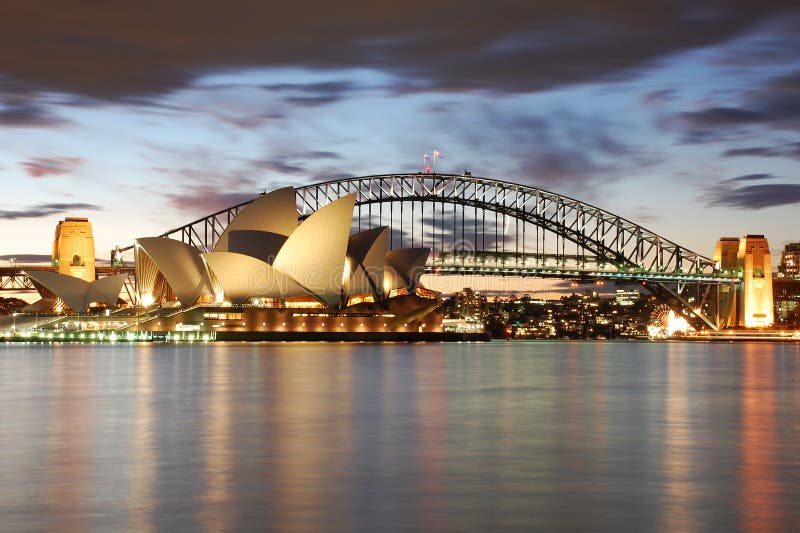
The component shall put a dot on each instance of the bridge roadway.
(558, 266)
(12, 278)
(470, 264)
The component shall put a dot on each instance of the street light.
(14, 326)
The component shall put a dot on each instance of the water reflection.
(312, 433)
(430, 417)
(463, 437)
(218, 448)
(69, 443)
(143, 470)
(679, 443)
(760, 486)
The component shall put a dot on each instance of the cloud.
(791, 150)
(715, 117)
(294, 163)
(773, 42)
(776, 105)
(122, 49)
(214, 183)
(750, 177)
(279, 165)
(321, 154)
(658, 98)
(206, 200)
(27, 115)
(40, 167)
(755, 196)
(564, 151)
(314, 94)
(42, 210)
(250, 122)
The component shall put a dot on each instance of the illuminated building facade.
(73, 248)
(78, 294)
(786, 296)
(627, 297)
(789, 267)
(756, 264)
(269, 274)
(726, 255)
(748, 258)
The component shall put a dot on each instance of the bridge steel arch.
(603, 245)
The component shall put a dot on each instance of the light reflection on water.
(451, 437)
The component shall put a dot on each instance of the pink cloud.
(40, 167)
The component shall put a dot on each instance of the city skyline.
(681, 118)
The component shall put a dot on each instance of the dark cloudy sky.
(682, 116)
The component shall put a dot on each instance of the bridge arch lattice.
(529, 232)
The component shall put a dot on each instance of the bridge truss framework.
(483, 226)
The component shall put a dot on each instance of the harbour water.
(514, 436)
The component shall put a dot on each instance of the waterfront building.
(78, 294)
(267, 273)
(756, 265)
(789, 267)
(470, 305)
(751, 304)
(627, 297)
(73, 248)
(786, 298)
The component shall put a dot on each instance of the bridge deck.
(12, 278)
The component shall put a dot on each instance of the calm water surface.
(397, 437)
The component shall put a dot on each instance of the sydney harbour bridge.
(488, 227)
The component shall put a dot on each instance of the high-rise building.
(789, 267)
(470, 304)
(756, 266)
(627, 297)
(73, 248)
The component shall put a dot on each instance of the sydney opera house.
(269, 276)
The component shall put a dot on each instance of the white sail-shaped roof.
(73, 291)
(275, 212)
(404, 268)
(243, 277)
(78, 293)
(366, 256)
(181, 266)
(263, 245)
(107, 289)
(314, 254)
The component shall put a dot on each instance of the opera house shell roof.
(265, 253)
(77, 293)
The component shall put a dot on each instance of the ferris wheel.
(659, 318)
